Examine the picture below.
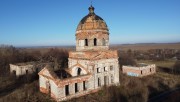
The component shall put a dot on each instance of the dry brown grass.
(45, 50)
(165, 63)
(27, 93)
(147, 46)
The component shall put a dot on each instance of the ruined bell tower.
(92, 54)
(92, 33)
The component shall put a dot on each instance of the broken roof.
(50, 74)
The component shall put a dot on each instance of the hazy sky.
(54, 22)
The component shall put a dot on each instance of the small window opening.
(26, 72)
(105, 69)
(84, 85)
(98, 70)
(86, 42)
(95, 42)
(76, 87)
(79, 71)
(67, 90)
(14, 72)
(99, 82)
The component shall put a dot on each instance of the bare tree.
(176, 67)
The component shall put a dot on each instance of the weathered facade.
(90, 67)
(20, 69)
(140, 70)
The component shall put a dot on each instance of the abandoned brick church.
(90, 67)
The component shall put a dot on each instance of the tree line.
(10, 54)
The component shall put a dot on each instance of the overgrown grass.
(27, 93)
(166, 63)
(132, 89)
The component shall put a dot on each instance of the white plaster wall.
(93, 82)
(72, 88)
(12, 68)
(54, 88)
(42, 81)
(106, 63)
(21, 70)
(81, 43)
(61, 92)
(90, 83)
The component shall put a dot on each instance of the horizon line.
(72, 45)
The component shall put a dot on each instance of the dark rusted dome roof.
(92, 21)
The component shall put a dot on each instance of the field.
(43, 50)
(162, 66)
(125, 47)
(146, 46)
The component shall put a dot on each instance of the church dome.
(92, 22)
(92, 33)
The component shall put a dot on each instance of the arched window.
(79, 71)
(103, 42)
(86, 42)
(95, 42)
